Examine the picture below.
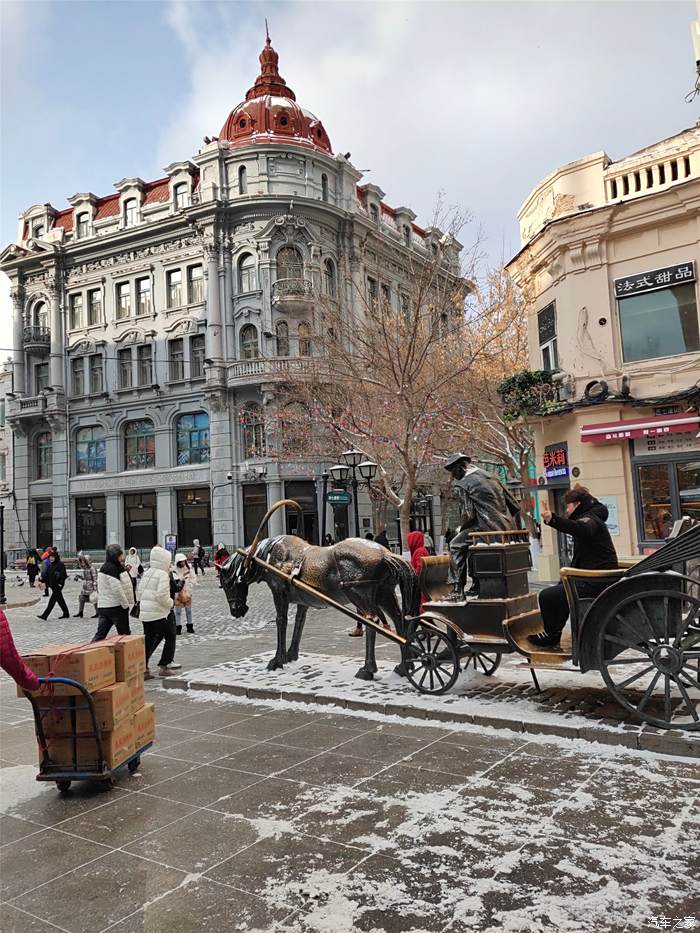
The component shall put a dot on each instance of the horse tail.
(407, 582)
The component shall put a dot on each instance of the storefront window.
(655, 498)
(689, 489)
(660, 323)
(140, 528)
(194, 517)
(90, 523)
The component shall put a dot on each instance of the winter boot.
(190, 628)
(178, 630)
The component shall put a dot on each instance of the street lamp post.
(367, 470)
(324, 477)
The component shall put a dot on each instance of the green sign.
(338, 497)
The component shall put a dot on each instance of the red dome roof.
(270, 112)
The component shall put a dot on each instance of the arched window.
(130, 212)
(192, 433)
(44, 455)
(253, 430)
(329, 283)
(82, 223)
(282, 335)
(40, 315)
(246, 273)
(304, 339)
(324, 187)
(180, 195)
(90, 450)
(139, 445)
(242, 180)
(249, 342)
(290, 265)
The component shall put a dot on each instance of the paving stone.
(125, 819)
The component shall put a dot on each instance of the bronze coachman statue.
(486, 505)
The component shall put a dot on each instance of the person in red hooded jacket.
(11, 662)
(417, 549)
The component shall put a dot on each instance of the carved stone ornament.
(290, 224)
(246, 313)
(82, 346)
(134, 336)
(216, 400)
(132, 255)
(182, 326)
(57, 421)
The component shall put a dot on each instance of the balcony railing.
(268, 369)
(284, 289)
(36, 338)
(25, 407)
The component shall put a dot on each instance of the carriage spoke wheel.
(485, 664)
(431, 661)
(649, 657)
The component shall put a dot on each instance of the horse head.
(235, 582)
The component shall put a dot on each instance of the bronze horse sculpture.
(356, 572)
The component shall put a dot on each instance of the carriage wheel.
(656, 672)
(430, 660)
(63, 786)
(486, 664)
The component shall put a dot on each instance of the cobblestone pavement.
(265, 817)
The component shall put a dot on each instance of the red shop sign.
(651, 426)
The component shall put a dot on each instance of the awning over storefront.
(651, 426)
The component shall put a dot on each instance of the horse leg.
(369, 669)
(389, 606)
(293, 653)
(282, 608)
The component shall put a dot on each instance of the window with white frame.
(242, 180)
(41, 377)
(173, 288)
(324, 187)
(123, 300)
(249, 342)
(77, 376)
(82, 225)
(372, 292)
(329, 278)
(374, 213)
(197, 356)
(75, 312)
(43, 450)
(125, 371)
(40, 316)
(282, 338)
(131, 210)
(144, 360)
(180, 198)
(144, 304)
(406, 230)
(195, 285)
(547, 331)
(304, 332)
(176, 359)
(3, 468)
(246, 273)
(94, 297)
(96, 374)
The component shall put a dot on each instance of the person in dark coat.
(383, 540)
(593, 550)
(33, 562)
(55, 578)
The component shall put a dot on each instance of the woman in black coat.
(55, 580)
(33, 561)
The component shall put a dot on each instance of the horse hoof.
(364, 674)
(292, 656)
(400, 669)
(275, 664)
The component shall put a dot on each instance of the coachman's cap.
(454, 459)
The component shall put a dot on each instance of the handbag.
(135, 610)
(93, 597)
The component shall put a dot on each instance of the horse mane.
(254, 572)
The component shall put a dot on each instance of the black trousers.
(114, 615)
(157, 631)
(554, 606)
(57, 597)
(197, 563)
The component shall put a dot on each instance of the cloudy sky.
(478, 100)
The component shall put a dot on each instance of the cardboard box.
(91, 665)
(81, 752)
(39, 662)
(65, 715)
(136, 692)
(144, 726)
(129, 656)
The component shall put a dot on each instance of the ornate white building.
(152, 325)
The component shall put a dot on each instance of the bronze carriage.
(642, 633)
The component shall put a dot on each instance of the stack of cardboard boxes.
(112, 672)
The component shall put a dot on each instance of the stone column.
(60, 493)
(57, 355)
(226, 292)
(222, 508)
(277, 524)
(18, 367)
(166, 515)
(115, 518)
(214, 320)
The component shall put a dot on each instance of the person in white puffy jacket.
(115, 595)
(156, 602)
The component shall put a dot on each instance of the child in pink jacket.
(10, 660)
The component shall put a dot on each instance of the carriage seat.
(432, 578)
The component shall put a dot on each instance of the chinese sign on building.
(555, 461)
(659, 278)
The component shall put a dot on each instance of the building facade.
(152, 325)
(609, 262)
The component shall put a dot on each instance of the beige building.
(609, 261)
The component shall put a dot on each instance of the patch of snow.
(18, 784)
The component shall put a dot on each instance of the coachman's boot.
(178, 630)
(190, 628)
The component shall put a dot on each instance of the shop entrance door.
(306, 524)
(43, 513)
(565, 543)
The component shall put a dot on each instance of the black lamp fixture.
(341, 473)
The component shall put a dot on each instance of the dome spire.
(269, 81)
